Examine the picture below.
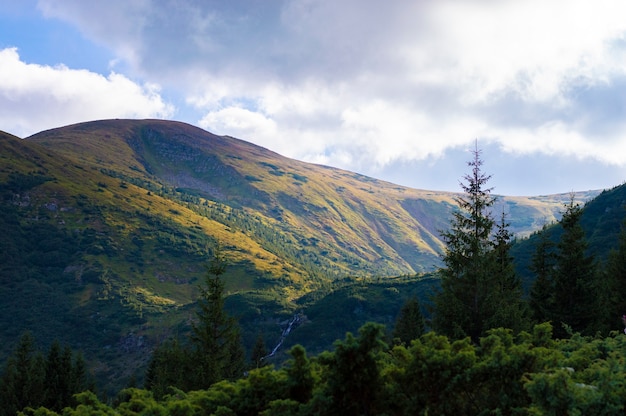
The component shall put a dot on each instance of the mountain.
(602, 220)
(107, 226)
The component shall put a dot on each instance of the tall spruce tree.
(542, 291)
(574, 276)
(510, 310)
(216, 339)
(58, 377)
(410, 322)
(22, 382)
(475, 277)
(32, 380)
(615, 275)
(214, 351)
(259, 351)
(170, 365)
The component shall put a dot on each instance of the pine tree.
(216, 339)
(542, 292)
(354, 381)
(58, 377)
(510, 310)
(80, 379)
(475, 277)
(213, 352)
(301, 379)
(32, 380)
(22, 381)
(410, 322)
(169, 365)
(615, 275)
(574, 277)
(258, 352)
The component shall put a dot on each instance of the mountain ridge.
(111, 224)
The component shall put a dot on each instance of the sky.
(400, 90)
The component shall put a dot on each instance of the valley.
(108, 225)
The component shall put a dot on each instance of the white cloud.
(532, 48)
(363, 84)
(563, 140)
(408, 83)
(239, 122)
(35, 97)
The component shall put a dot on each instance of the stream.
(293, 323)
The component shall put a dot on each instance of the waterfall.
(293, 322)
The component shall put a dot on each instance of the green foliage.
(588, 381)
(258, 352)
(570, 289)
(23, 377)
(601, 218)
(301, 378)
(170, 365)
(410, 322)
(18, 182)
(353, 381)
(511, 309)
(214, 351)
(348, 305)
(503, 374)
(574, 276)
(30, 380)
(615, 284)
(542, 292)
(105, 228)
(216, 340)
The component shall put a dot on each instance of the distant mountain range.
(107, 225)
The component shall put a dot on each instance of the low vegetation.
(529, 373)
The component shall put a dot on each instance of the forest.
(479, 346)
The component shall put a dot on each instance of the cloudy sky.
(396, 89)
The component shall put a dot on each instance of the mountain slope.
(333, 210)
(602, 220)
(368, 226)
(108, 226)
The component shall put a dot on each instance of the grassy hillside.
(108, 227)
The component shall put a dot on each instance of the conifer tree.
(80, 379)
(258, 352)
(410, 323)
(32, 380)
(216, 339)
(22, 381)
(301, 379)
(574, 277)
(542, 291)
(170, 365)
(475, 277)
(57, 378)
(615, 275)
(354, 382)
(510, 310)
(213, 352)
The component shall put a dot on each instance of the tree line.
(34, 379)
(481, 290)
(529, 373)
